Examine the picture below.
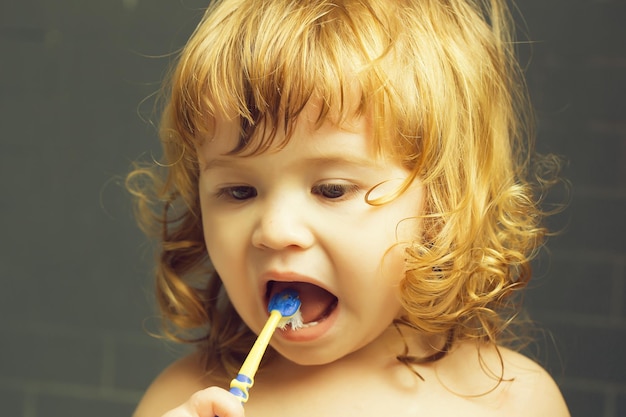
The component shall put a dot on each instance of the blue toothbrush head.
(287, 302)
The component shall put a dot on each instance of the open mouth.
(317, 304)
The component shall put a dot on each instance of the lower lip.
(307, 334)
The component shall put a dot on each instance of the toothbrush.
(284, 309)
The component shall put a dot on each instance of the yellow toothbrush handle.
(245, 379)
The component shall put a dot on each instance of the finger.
(214, 401)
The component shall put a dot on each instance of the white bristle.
(294, 321)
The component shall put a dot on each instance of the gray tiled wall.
(577, 77)
(75, 272)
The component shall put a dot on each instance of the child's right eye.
(239, 192)
(334, 191)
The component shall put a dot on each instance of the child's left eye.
(238, 193)
(334, 191)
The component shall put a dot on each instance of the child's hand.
(209, 402)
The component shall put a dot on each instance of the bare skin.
(335, 240)
(369, 382)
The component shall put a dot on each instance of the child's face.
(299, 215)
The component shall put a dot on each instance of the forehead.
(229, 135)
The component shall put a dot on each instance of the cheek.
(373, 263)
(393, 264)
(382, 245)
(224, 246)
(378, 252)
(222, 242)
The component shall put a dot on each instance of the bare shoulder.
(532, 387)
(173, 387)
(502, 381)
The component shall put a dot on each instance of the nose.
(282, 223)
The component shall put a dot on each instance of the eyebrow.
(341, 160)
(216, 163)
(320, 161)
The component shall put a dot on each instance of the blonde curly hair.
(441, 82)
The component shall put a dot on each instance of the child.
(370, 155)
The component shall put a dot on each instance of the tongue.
(315, 301)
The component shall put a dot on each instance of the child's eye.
(239, 192)
(334, 191)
